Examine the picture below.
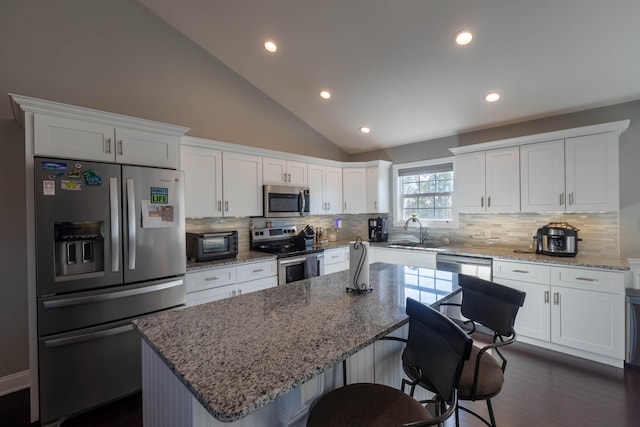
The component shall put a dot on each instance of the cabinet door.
(502, 178)
(592, 173)
(534, 317)
(542, 177)
(207, 279)
(203, 181)
(354, 190)
(470, 182)
(274, 171)
(74, 139)
(256, 285)
(316, 181)
(333, 190)
(335, 260)
(587, 320)
(136, 147)
(378, 200)
(242, 184)
(208, 295)
(297, 173)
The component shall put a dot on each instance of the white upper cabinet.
(66, 131)
(378, 186)
(325, 186)
(354, 190)
(488, 181)
(203, 181)
(242, 184)
(284, 172)
(220, 183)
(576, 174)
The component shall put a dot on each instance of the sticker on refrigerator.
(69, 185)
(49, 188)
(159, 195)
(53, 166)
(160, 216)
(91, 178)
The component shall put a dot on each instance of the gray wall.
(629, 156)
(115, 56)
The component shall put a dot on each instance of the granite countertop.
(242, 257)
(238, 354)
(502, 253)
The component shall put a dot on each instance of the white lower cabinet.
(578, 311)
(225, 282)
(336, 259)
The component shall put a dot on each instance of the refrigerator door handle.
(67, 302)
(58, 342)
(115, 224)
(131, 222)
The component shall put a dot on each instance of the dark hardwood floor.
(542, 389)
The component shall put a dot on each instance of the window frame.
(397, 199)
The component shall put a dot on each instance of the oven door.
(293, 269)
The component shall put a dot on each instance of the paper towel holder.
(362, 288)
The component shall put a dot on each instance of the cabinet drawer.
(522, 271)
(210, 278)
(208, 295)
(335, 256)
(594, 280)
(256, 270)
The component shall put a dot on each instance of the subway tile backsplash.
(599, 231)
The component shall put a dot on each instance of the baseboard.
(14, 382)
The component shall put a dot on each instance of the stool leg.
(491, 416)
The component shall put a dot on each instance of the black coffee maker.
(378, 229)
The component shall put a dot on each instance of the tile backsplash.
(599, 231)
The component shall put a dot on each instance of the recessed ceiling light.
(492, 97)
(325, 94)
(463, 38)
(365, 129)
(270, 46)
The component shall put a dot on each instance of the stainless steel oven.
(292, 269)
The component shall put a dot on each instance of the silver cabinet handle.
(562, 199)
(284, 176)
(258, 270)
(115, 224)
(520, 271)
(289, 177)
(59, 342)
(482, 201)
(108, 145)
(226, 205)
(239, 292)
(328, 206)
(375, 204)
(556, 298)
(233, 293)
(489, 201)
(334, 256)
(120, 147)
(220, 205)
(131, 222)
(210, 279)
(546, 297)
(571, 201)
(586, 279)
(345, 206)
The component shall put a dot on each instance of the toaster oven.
(212, 246)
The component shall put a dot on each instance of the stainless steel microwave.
(282, 202)
(212, 246)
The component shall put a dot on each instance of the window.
(425, 189)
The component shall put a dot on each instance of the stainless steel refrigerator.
(110, 248)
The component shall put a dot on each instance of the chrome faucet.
(423, 230)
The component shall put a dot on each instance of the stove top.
(282, 241)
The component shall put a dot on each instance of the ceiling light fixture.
(325, 94)
(492, 97)
(270, 46)
(463, 38)
(365, 129)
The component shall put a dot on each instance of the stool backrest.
(436, 348)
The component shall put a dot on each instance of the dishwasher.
(462, 264)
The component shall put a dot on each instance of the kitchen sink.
(418, 246)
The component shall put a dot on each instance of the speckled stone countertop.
(590, 261)
(242, 257)
(238, 354)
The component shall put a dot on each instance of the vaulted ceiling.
(393, 66)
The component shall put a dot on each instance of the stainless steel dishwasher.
(469, 265)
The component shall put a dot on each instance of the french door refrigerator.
(110, 248)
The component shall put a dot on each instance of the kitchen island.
(262, 358)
